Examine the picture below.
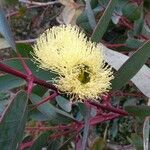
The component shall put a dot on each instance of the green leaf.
(83, 17)
(86, 112)
(42, 74)
(55, 144)
(41, 141)
(5, 29)
(86, 129)
(90, 14)
(99, 144)
(83, 22)
(36, 115)
(94, 3)
(13, 122)
(39, 90)
(64, 103)
(131, 66)
(8, 82)
(55, 115)
(141, 80)
(132, 11)
(133, 43)
(103, 22)
(137, 141)
(11, 2)
(3, 103)
(83, 109)
(64, 145)
(104, 3)
(140, 111)
(24, 49)
(4, 96)
(138, 26)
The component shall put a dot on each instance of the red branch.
(58, 127)
(12, 71)
(114, 45)
(26, 145)
(46, 99)
(103, 117)
(55, 136)
(122, 94)
(125, 22)
(109, 108)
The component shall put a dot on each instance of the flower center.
(84, 75)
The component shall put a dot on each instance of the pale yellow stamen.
(78, 62)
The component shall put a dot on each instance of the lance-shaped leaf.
(5, 29)
(86, 112)
(64, 103)
(140, 111)
(103, 22)
(13, 122)
(41, 141)
(90, 14)
(131, 66)
(141, 79)
(55, 115)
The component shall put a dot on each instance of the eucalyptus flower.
(79, 63)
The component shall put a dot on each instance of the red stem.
(10, 70)
(44, 83)
(58, 127)
(119, 93)
(26, 145)
(109, 108)
(115, 45)
(101, 118)
(46, 99)
(55, 136)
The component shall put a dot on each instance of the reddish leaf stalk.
(119, 93)
(102, 118)
(44, 128)
(46, 99)
(55, 136)
(144, 37)
(44, 83)
(29, 74)
(124, 22)
(70, 129)
(26, 145)
(74, 127)
(28, 71)
(115, 45)
(58, 127)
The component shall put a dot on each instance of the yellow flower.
(79, 63)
